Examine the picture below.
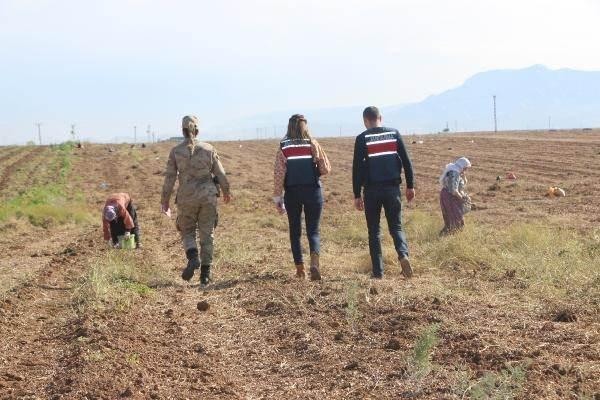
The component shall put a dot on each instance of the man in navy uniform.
(379, 158)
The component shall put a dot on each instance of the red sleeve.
(106, 229)
(279, 174)
(126, 217)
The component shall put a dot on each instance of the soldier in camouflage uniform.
(195, 164)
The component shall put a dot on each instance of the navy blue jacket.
(301, 169)
(379, 157)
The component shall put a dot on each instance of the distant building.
(175, 139)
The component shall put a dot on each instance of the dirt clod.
(127, 393)
(203, 305)
(198, 348)
(565, 316)
(510, 273)
(393, 344)
(373, 291)
(351, 366)
(339, 336)
(13, 377)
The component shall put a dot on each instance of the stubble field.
(508, 308)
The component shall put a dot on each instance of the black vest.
(383, 161)
(301, 168)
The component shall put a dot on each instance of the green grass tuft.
(551, 262)
(506, 384)
(49, 204)
(116, 280)
(420, 363)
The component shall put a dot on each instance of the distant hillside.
(526, 98)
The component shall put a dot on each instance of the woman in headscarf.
(119, 218)
(453, 198)
(299, 164)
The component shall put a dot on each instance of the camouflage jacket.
(194, 164)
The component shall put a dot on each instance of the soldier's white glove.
(127, 235)
(279, 204)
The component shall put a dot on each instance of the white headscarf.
(458, 166)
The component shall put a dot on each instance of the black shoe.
(205, 274)
(377, 276)
(192, 265)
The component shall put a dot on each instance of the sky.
(107, 66)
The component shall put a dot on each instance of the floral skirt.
(452, 211)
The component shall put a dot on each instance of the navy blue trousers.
(309, 199)
(388, 198)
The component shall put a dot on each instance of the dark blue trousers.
(309, 199)
(388, 198)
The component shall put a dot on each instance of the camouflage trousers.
(198, 217)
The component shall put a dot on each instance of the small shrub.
(506, 384)
(352, 310)
(420, 363)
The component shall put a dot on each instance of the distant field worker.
(195, 164)
(453, 197)
(379, 157)
(299, 163)
(119, 218)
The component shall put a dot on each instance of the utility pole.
(340, 131)
(73, 132)
(134, 134)
(39, 126)
(495, 119)
(549, 123)
(148, 134)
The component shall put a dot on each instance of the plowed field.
(463, 327)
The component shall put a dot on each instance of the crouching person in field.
(119, 218)
(299, 163)
(454, 200)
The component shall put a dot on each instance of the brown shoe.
(406, 268)
(300, 271)
(315, 275)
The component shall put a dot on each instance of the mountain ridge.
(534, 97)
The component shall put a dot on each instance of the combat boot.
(205, 274)
(300, 271)
(193, 264)
(315, 275)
